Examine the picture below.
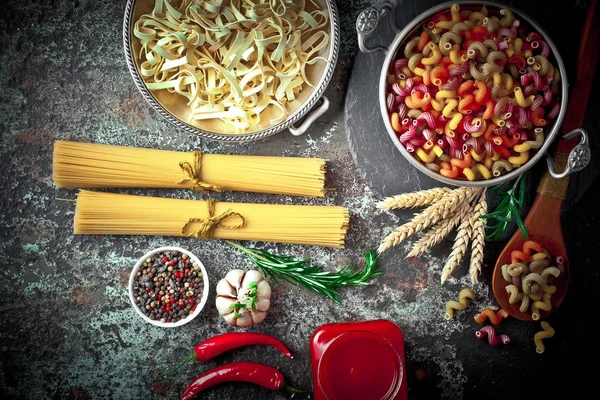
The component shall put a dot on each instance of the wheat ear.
(438, 232)
(432, 214)
(460, 246)
(478, 241)
(413, 199)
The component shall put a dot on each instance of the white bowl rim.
(199, 306)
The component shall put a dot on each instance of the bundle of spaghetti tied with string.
(120, 214)
(90, 165)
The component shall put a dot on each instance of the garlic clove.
(224, 305)
(234, 277)
(251, 276)
(230, 320)
(258, 316)
(262, 304)
(224, 288)
(244, 320)
(264, 290)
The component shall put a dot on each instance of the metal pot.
(368, 21)
(314, 103)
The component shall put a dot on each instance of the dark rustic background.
(67, 330)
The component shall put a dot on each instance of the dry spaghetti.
(88, 165)
(118, 214)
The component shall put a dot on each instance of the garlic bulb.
(243, 297)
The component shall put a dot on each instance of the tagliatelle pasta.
(489, 80)
(232, 60)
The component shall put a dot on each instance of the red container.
(358, 360)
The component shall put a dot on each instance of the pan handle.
(310, 117)
(368, 20)
(578, 158)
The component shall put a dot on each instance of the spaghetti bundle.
(89, 165)
(119, 214)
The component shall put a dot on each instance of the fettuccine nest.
(232, 60)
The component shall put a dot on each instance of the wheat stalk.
(460, 246)
(438, 232)
(413, 199)
(478, 238)
(439, 210)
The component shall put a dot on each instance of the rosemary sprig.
(508, 209)
(310, 276)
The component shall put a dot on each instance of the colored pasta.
(530, 277)
(89, 165)
(494, 89)
(464, 296)
(100, 213)
(546, 332)
(493, 339)
(494, 316)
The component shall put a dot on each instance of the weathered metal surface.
(67, 329)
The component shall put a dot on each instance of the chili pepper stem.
(290, 389)
(181, 364)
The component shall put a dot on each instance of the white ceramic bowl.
(199, 306)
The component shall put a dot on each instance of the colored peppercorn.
(162, 289)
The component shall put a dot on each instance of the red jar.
(358, 360)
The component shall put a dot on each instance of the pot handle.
(310, 117)
(368, 20)
(578, 158)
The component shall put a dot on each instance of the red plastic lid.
(360, 365)
(358, 361)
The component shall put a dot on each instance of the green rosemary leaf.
(497, 231)
(504, 202)
(497, 216)
(511, 200)
(522, 185)
(310, 276)
(496, 187)
(521, 225)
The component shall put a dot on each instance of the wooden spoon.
(543, 220)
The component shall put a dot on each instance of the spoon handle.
(589, 49)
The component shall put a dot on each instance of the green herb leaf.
(508, 209)
(521, 225)
(310, 276)
(521, 197)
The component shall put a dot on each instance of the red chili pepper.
(260, 374)
(219, 344)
